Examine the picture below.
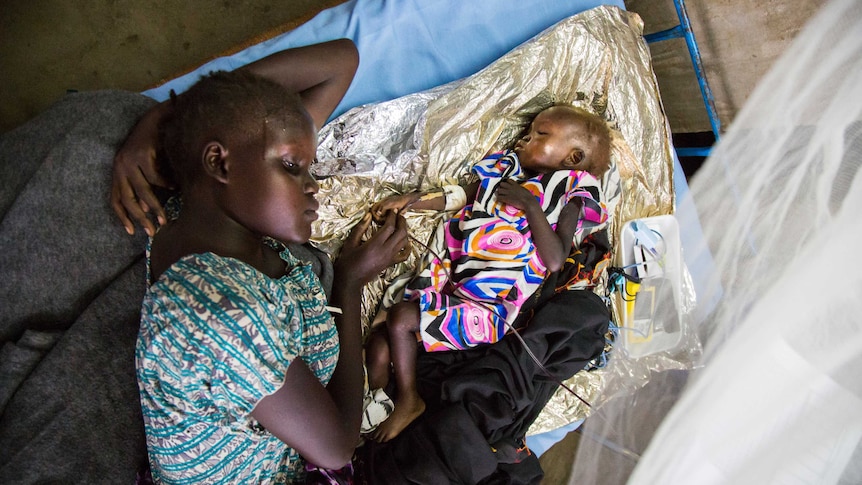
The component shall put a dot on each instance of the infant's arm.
(435, 200)
(559, 247)
(552, 246)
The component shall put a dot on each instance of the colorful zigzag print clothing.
(216, 337)
(490, 256)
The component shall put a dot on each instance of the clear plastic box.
(651, 317)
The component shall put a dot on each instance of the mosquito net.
(776, 395)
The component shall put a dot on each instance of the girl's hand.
(513, 194)
(362, 261)
(395, 203)
(134, 174)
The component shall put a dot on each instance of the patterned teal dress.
(216, 337)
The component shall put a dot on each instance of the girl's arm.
(553, 246)
(322, 424)
(135, 171)
(320, 73)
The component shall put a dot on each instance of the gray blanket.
(71, 282)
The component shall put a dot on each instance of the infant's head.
(564, 137)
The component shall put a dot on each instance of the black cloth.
(487, 395)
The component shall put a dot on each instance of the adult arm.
(320, 73)
(322, 424)
(135, 172)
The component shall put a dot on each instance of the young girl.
(527, 206)
(319, 73)
(245, 370)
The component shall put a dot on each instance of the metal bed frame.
(683, 30)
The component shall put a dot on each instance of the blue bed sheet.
(407, 46)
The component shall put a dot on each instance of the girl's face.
(271, 191)
(552, 143)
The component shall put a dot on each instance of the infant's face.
(554, 141)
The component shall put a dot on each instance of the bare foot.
(406, 411)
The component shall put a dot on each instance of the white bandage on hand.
(455, 196)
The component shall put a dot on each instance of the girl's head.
(563, 137)
(246, 143)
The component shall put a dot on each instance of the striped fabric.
(490, 256)
(217, 336)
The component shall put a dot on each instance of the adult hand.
(365, 260)
(135, 173)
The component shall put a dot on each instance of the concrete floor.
(739, 40)
(50, 46)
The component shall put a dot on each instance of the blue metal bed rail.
(683, 30)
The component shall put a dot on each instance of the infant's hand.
(365, 260)
(395, 203)
(513, 194)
